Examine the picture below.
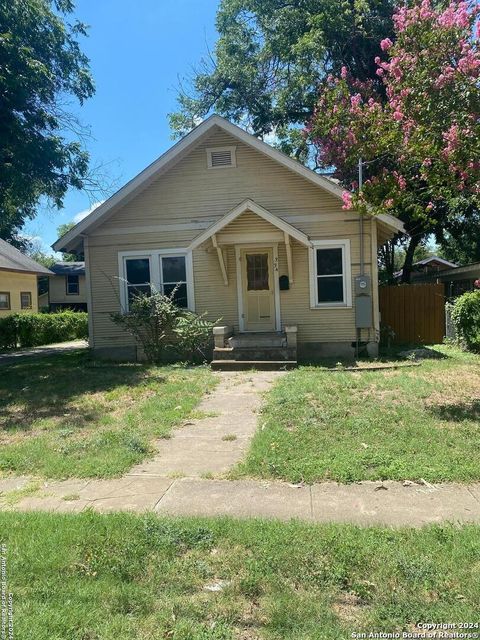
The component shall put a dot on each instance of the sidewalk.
(8, 357)
(366, 503)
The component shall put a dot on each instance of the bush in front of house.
(465, 317)
(35, 329)
(165, 331)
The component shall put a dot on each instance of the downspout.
(360, 233)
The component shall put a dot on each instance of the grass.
(411, 423)
(66, 416)
(126, 577)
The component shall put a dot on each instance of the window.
(73, 286)
(4, 300)
(330, 276)
(164, 270)
(137, 275)
(26, 300)
(174, 274)
(221, 157)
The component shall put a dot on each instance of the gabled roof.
(250, 205)
(68, 268)
(175, 154)
(12, 259)
(425, 261)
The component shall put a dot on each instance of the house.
(18, 281)
(426, 270)
(457, 279)
(250, 237)
(66, 288)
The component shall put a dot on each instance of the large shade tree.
(41, 69)
(271, 56)
(420, 146)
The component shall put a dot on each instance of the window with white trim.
(160, 270)
(137, 276)
(4, 300)
(330, 274)
(72, 285)
(221, 157)
(173, 272)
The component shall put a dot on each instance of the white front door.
(258, 289)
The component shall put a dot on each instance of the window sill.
(331, 305)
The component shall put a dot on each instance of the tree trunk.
(407, 265)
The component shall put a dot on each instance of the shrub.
(34, 329)
(466, 320)
(164, 330)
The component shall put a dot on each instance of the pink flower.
(347, 200)
(380, 72)
(476, 284)
(356, 100)
(344, 72)
(398, 115)
(385, 44)
(389, 203)
(377, 60)
(429, 206)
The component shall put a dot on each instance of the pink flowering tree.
(419, 133)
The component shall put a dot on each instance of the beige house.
(66, 288)
(18, 281)
(252, 238)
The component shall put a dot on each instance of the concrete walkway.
(177, 480)
(8, 357)
(213, 444)
(365, 503)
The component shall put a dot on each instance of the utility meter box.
(363, 286)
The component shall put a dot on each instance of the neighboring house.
(250, 236)
(18, 281)
(66, 288)
(426, 270)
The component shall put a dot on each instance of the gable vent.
(221, 158)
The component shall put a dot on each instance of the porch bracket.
(288, 247)
(221, 261)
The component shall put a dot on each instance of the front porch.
(266, 350)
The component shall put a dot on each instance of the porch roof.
(243, 207)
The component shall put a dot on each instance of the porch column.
(288, 247)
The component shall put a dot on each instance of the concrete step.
(254, 353)
(247, 340)
(260, 365)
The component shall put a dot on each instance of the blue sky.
(137, 52)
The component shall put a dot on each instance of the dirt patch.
(349, 608)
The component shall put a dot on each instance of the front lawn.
(66, 416)
(411, 423)
(126, 577)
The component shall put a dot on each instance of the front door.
(258, 289)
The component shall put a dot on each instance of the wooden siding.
(15, 283)
(175, 208)
(58, 291)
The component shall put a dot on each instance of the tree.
(462, 246)
(421, 146)
(41, 68)
(61, 231)
(271, 56)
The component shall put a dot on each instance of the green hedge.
(466, 320)
(34, 329)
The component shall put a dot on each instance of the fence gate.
(415, 312)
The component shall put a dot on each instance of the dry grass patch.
(412, 423)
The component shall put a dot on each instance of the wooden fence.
(415, 312)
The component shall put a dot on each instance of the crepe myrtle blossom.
(417, 127)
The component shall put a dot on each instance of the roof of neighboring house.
(68, 268)
(180, 150)
(12, 259)
(426, 261)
